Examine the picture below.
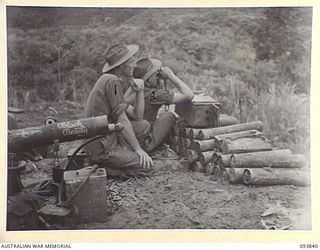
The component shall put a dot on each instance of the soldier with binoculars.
(155, 75)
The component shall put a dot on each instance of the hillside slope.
(260, 55)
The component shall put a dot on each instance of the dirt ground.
(177, 198)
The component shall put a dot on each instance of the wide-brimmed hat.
(145, 67)
(118, 54)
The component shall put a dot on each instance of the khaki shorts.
(114, 154)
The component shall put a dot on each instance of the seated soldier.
(120, 153)
(152, 72)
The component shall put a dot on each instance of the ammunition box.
(90, 200)
(201, 112)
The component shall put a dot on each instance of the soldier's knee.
(168, 118)
(141, 128)
(145, 125)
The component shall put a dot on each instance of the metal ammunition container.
(90, 199)
(201, 112)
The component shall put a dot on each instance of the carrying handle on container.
(61, 192)
(70, 198)
(79, 148)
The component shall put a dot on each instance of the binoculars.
(161, 75)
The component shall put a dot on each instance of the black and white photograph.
(137, 118)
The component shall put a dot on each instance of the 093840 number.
(308, 246)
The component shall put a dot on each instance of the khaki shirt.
(154, 99)
(106, 98)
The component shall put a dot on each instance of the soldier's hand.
(138, 85)
(166, 72)
(145, 160)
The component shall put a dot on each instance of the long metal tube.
(26, 138)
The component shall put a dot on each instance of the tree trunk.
(277, 176)
(201, 146)
(192, 156)
(245, 145)
(235, 175)
(59, 66)
(274, 159)
(226, 120)
(205, 157)
(209, 133)
(232, 136)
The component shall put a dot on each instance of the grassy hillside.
(259, 55)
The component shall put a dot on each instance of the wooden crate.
(201, 112)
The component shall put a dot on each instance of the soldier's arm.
(136, 110)
(130, 96)
(185, 93)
